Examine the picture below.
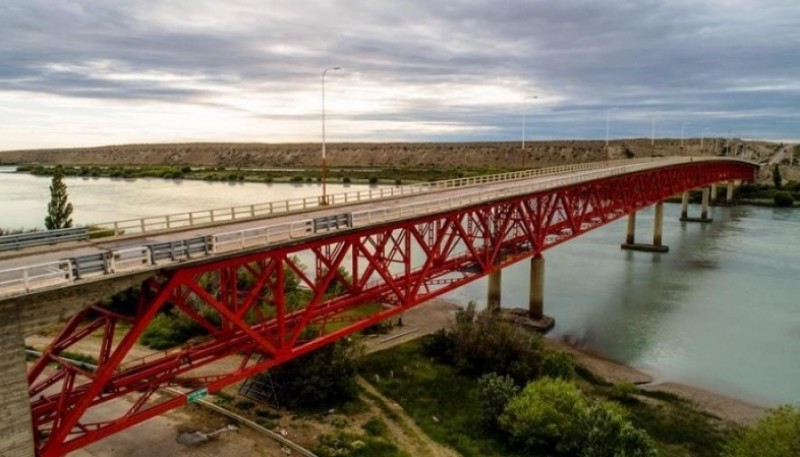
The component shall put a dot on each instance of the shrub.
(557, 364)
(554, 415)
(479, 343)
(545, 416)
(777, 435)
(373, 179)
(783, 199)
(168, 330)
(318, 380)
(376, 427)
(346, 180)
(494, 393)
(608, 433)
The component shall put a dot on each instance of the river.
(721, 311)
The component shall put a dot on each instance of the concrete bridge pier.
(703, 211)
(729, 195)
(16, 429)
(713, 193)
(658, 229)
(536, 293)
(493, 299)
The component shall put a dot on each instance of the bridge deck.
(28, 271)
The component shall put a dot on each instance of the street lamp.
(324, 200)
(524, 113)
(608, 123)
(683, 131)
(608, 130)
(702, 138)
(653, 134)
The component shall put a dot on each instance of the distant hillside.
(499, 154)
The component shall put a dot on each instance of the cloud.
(413, 70)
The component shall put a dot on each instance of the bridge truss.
(240, 300)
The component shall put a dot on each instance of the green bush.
(373, 180)
(777, 435)
(558, 364)
(168, 330)
(480, 343)
(319, 380)
(494, 393)
(553, 415)
(783, 199)
(608, 433)
(376, 427)
(545, 416)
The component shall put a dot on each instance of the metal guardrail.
(29, 239)
(194, 218)
(24, 279)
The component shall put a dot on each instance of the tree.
(315, 381)
(776, 177)
(777, 435)
(494, 393)
(59, 209)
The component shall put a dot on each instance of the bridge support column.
(630, 235)
(713, 193)
(493, 298)
(658, 225)
(16, 429)
(685, 206)
(729, 196)
(536, 295)
(703, 212)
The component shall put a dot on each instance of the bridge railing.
(45, 237)
(24, 279)
(262, 210)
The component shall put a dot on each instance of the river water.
(721, 311)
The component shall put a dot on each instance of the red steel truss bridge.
(396, 251)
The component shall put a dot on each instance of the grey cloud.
(680, 60)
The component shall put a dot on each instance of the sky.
(98, 72)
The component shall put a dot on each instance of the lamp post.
(524, 113)
(324, 200)
(683, 131)
(608, 129)
(653, 137)
(702, 138)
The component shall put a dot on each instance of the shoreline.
(729, 409)
(436, 314)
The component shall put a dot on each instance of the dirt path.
(402, 427)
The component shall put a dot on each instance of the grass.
(442, 402)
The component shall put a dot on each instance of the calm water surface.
(720, 311)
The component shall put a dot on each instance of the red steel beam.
(400, 264)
